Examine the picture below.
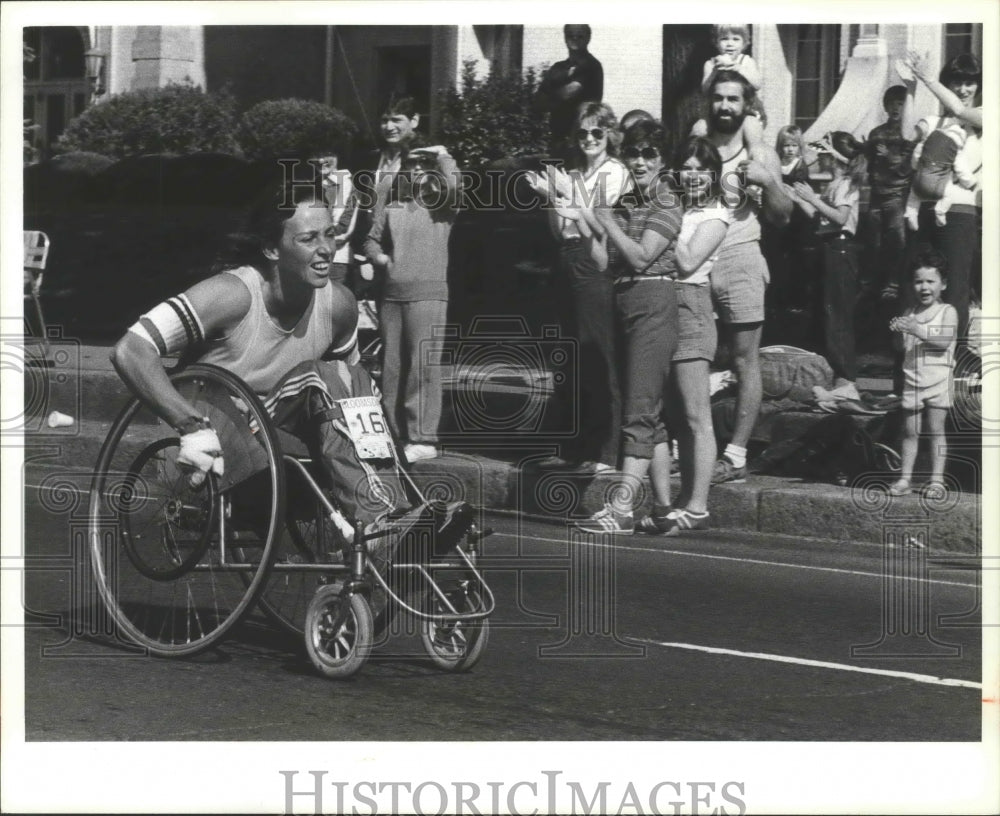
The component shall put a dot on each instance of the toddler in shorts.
(927, 333)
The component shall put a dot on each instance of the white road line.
(743, 560)
(820, 664)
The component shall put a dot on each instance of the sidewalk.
(496, 468)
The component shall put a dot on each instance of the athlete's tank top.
(261, 352)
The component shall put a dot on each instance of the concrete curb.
(86, 388)
(764, 504)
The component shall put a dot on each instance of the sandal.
(900, 488)
(935, 491)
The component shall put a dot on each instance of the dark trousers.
(887, 238)
(840, 287)
(647, 314)
(958, 241)
(598, 394)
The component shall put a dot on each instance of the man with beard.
(740, 274)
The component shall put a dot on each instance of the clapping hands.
(904, 324)
(803, 192)
(551, 183)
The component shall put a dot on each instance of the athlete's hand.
(201, 452)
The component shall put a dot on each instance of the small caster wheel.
(338, 651)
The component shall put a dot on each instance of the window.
(58, 53)
(962, 38)
(55, 84)
(816, 71)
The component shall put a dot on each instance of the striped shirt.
(638, 214)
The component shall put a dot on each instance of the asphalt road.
(708, 637)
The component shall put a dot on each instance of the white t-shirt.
(612, 176)
(693, 218)
(841, 192)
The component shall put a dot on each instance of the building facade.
(821, 77)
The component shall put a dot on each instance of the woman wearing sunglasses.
(594, 173)
(632, 242)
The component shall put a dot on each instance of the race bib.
(367, 427)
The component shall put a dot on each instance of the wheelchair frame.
(178, 567)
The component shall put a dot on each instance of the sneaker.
(935, 492)
(591, 467)
(726, 471)
(847, 390)
(655, 523)
(683, 520)
(608, 520)
(414, 452)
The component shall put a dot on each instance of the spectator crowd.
(666, 250)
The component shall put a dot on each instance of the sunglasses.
(597, 133)
(647, 153)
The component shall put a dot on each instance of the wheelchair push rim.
(171, 564)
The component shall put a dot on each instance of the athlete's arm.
(345, 326)
(209, 308)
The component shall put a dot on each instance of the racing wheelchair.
(177, 567)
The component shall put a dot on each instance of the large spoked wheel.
(287, 593)
(338, 649)
(455, 646)
(177, 567)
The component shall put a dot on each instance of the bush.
(493, 118)
(294, 128)
(177, 119)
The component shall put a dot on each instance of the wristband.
(192, 424)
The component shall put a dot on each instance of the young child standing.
(792, 282)
(889, 174)
(732, 40)
(927, 333)
(837, 208)
(409, 243)
(790, 145)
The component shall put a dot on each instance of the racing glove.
(202, 452)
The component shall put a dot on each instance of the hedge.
(497, 117)
(177, 119)
(294, 128)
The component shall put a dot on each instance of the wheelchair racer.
(273, 317)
